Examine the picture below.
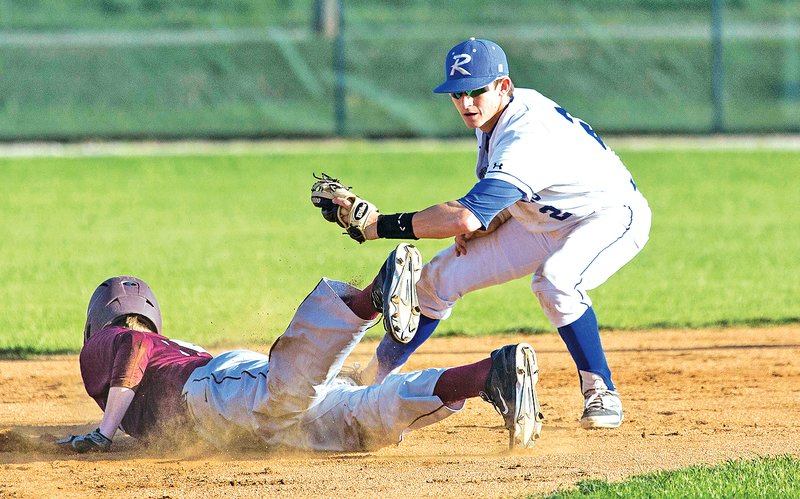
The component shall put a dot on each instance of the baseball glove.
(353, 219)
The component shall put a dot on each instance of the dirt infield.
(693, 396)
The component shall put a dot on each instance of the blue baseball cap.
(472, 64)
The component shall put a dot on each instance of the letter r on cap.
(460, 60)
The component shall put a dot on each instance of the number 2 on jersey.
(586, 127)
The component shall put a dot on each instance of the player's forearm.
(444, 220)
(119, 399)
(437, 222)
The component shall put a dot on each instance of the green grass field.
(231, 244)
(761, 477)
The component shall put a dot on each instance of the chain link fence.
(129, 69)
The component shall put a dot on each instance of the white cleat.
(602, 408)
(395, 292)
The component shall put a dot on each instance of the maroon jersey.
(155, 367)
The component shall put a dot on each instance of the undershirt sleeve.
(130, 359)
(489, 197)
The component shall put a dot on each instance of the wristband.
(396, 226)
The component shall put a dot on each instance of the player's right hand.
(497, 221)
(91, 442)
(461, 243)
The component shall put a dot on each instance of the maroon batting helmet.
(119, 296)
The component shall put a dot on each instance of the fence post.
(339, 67)
(791, 58)
(717, 67)
(328, 18)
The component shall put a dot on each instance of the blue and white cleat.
(394, 292)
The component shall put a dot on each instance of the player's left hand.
(369, 229)
(342, 206)
(91, 442)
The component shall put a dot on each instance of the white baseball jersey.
(580, 220)
(564, 169)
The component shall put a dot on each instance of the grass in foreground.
(762, 477)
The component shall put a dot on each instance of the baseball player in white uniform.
(552, 201)
(164, 390)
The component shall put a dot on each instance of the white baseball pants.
(565, 263)
(292, 398)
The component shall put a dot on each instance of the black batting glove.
(91, 442)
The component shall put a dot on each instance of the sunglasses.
(471, 93)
